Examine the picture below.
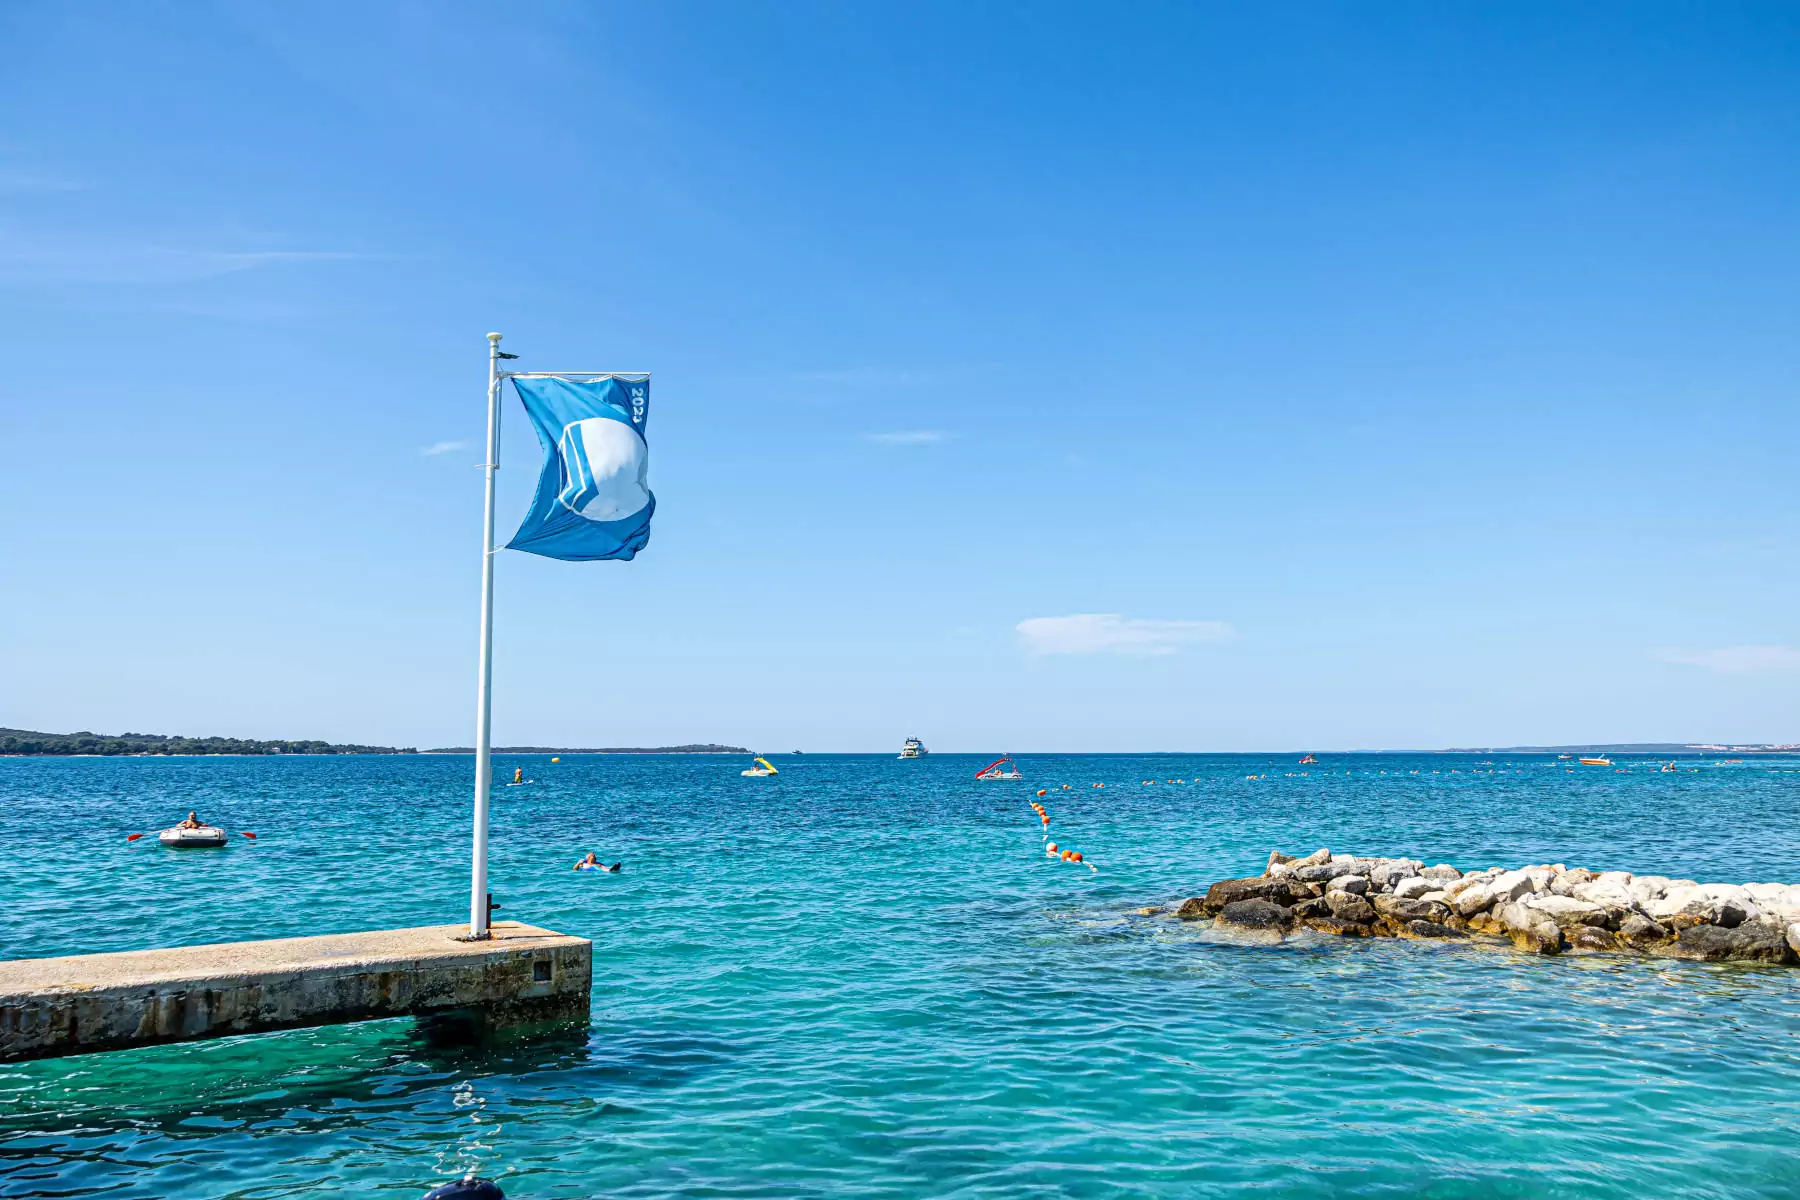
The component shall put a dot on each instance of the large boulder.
(1509, 886)
(1277, 858)
(1793, 937)
(1441, 872)
(1392, 871)
(1257, 887)
(1590, 938)
(1399, 910)
(1752, 941)
(1566, 882)
(1325, 872)
(1346, 906)
(1256, 914)
(1567, 911)
(1356, 885)
(1430, 929)
(1470, 900)
(1637, 929)
(1311, 908)
(1310, 860)
(1413, 887)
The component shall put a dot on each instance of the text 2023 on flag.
(593, 496)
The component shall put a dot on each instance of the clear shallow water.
(863, 978)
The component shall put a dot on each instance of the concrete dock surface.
(90, 1002)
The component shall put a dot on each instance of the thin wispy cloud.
(52, 259)
(1114, 633)
(1738, 660)
(909, 437)
(437, 448)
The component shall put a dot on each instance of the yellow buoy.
(556, 760)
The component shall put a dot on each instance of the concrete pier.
(90, 1002)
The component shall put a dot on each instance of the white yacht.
(913, 748)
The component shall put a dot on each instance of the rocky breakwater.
(1545, 909)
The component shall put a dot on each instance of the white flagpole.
(484, 767)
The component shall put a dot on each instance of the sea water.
(862, 977)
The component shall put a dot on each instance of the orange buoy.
(1041, 791)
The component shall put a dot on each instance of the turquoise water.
(863, 978)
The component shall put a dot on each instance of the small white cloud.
(1739, 660)
(442, 448)
(1111, 633)
(909, 437)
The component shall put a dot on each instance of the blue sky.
(1027, 377)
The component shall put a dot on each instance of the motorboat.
(1601, 761)
(1000, 768)
(913, 748)
(193, 837)
(761, 770)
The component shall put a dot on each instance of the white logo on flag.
(606, 467)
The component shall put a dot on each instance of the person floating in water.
(593, 863)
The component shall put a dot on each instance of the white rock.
(1356, 885)
(1433, 897)
(1316, 858)
(1515, 916)
(1766, 893)
(1471, 900)
(1687, 901)
(1279, 870)
(1566, 910)
(1541, 878)
(1509, 886)
(1793, 936)
(1412, 887)
(1618, 879)
(1441, 872)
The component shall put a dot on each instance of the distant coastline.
(32, 743)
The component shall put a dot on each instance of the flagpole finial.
(495, 337)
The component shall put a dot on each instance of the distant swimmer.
(592, 863)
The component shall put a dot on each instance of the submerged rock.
(1256, 914)
(1752, 941)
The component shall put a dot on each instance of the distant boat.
(998, 770)
(1602, 761)
(799, 752)
(913, 748)
(1561, 757)
(1308, 759)
(761, 770)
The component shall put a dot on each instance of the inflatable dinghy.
(201, 838)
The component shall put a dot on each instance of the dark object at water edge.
(467, 1188)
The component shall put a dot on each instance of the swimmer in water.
(593, 863)
(1049, 849)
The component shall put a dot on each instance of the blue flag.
(593, 498)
